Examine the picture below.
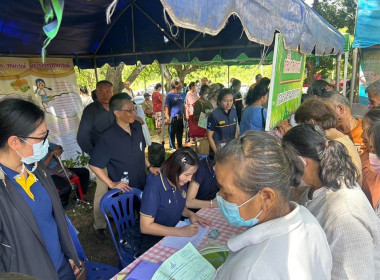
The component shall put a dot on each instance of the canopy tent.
(366, 39)
(367, 24)
(139, 32)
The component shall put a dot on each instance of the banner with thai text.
(53, 86)
(369, 71)
(286, 84)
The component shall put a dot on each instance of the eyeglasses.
(129, 111)
(37, 138)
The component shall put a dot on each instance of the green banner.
(286, 84)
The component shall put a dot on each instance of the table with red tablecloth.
(160, 253)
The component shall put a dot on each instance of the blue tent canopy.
(139, 32)
(367, 28)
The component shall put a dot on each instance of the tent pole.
(354, 73)
(345, 73)
(95, 69)
(338, 62)
(228, 75)
(163, 105)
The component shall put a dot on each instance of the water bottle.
(125, 177)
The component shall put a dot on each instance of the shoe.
(100, 233)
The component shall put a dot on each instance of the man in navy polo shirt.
(174, 113)
(121, 148)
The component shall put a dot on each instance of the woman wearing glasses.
(34, 238)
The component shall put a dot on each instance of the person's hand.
(284, 126)
(155, 170)
(194, 219)
(57, 151)
(121, 186)
(167, 120)
(189, 230)
(75, 269)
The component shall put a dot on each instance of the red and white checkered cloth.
(160, 253)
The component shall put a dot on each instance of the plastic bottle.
(125, 177)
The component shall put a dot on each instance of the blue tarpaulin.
(367, 31)
(139, 32)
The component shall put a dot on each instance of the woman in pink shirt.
(191, 98)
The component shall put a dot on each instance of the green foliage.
(219, 74)
(81, 160)
(339, 13)
(86, 77)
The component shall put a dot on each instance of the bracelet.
(211, 203)
(149, 167)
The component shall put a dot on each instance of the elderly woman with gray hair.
(338, 203)
(283, 239)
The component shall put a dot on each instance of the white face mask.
(39, 152)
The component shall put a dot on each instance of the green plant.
(80, 161)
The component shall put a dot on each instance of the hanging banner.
(286, 84)
(369, 71)
(52, 86)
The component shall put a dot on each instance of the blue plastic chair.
(94, 270)
(120, 206)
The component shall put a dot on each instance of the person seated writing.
(164, 199)
(203, 188)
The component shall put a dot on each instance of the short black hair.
(235, 83)
(255, 94)
(157, 86)
(18, 117)
(104, 82)
(83, 89)
(223, 93)
(203, 90)
(179, 162)
(117, 101)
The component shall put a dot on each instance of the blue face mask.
(39, 152)
(231, 212)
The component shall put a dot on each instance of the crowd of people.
(309, 195)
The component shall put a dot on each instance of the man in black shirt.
(95, 120)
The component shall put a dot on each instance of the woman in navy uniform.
(164, 200)
(203, 188)
(222, 122)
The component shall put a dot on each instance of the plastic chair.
(94, 270)
(120, 206)
(77, 181)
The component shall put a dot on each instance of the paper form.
(186, 264)
(178, 242)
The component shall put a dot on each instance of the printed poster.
(286, 84)
(369, 71)
(53, 86)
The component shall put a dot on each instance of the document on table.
(143, 271)
(186, 264)
(178, 242)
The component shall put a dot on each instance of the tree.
(340, 14)
(181, 72)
